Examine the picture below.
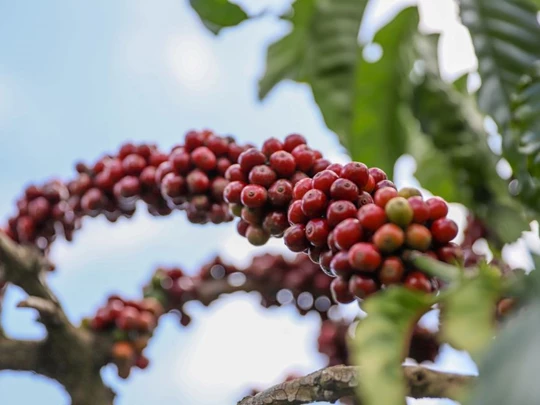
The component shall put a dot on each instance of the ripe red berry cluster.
(262, 184)
(131, 324)
(277, 280)
(332, 342)
(191, 177)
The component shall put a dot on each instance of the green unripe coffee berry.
(408, 192)
(399, 211)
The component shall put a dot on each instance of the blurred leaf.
(467, 311)
(460, 84)
(218, 14)
(381, 343)
(287, 58)
(505, 35)
(508, 221)
(509, 371)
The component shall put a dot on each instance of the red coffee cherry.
(340, 291)
(362, 286)
(388, 238)
(172, 185)
(370, 185)
(343, 189)
(193, 139)
(399, 211)
(253, 196)
(336, 168)
(163, 169)
(292, 141)
(319, 166)
(295, 214)
(418, 237)
(297, 176)
(323, 181)
(204, 158)
(317, 231)
(357, 173)
(437, 208)
(371, 217)
(339, 211)
(251, 158)
(314, 203)
(275, 223)
(39, 209)
(340, 265)
(385, 183)
(383, 195)
(377, 174)
(262, 175)
(302, 187)
(197, 181)
(235, 173)
(254, 216)
(133, 164)
(222, 165)
(257, 236)
(347, 233)
(364, 198)
(418, 281)
(232, 192)
(331, 242)
(280, 193)
(391, 271)
(241, 227)
(324, 262)
(364, 257)
(271, 146)
(450, 253)
(283, 163)
(444, 230)
(295, 238)
(304, 156)
(420, 209)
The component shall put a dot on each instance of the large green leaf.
(505, 35)
(360, 101)
(467, 314)
(381, 343)
(218, 14)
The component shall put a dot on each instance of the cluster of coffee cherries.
(131, 324)
(190, 177)
(332, 342)
(278, 281)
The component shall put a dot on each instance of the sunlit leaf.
(218, 14)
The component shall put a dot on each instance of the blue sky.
(76, 80)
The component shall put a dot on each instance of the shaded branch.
(331, 384)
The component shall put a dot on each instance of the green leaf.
(380, 344)
(505, 35)
(508, 221)
(467, 311)
(287, 57)
(218, 14)
(460, 84)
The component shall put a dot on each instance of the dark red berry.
(234, 151)
(162, 170)
(450, 253)
(370, 185)
(204, 158)
(297, 176)
(371, 217)
(218, 188)
(323, 181)
(331, 242)
(343, 189)
(304, 157)
(126, 149)
(385, 183)
(420, 210)
(340, 265)
(262, 175)
(340, 291)
(257, 236)
(418, 237)
(39, 209)
(357, 173)
(377, 174)
(148, 176)
(292, 141)
(418, 281)
(388, 238)
(173, 186)
(127, 319)
(280, 193)
(270, 146)
(364, 199)
(193, 140)
(218, 145)
(254, 216)
(317, 231)
(241, 227)
(314, 203)
(336, 168)
(197, 181)
(339, 211)
(92, 200)
(232, 192)
(254, 196)
(275, 223)
(302, 187)
(156, 158)
(133, 164)
(383, 195)
(235, 173)
(283, 163)
(251, 158)
(314, 254)
(295, 214)
(444, 230)
(222, 165)
(295, 238)
(391, 271)
(319, 166)
(437, 208)
(362, 286)
(324, 262)
(347, 233)
(364, 257)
